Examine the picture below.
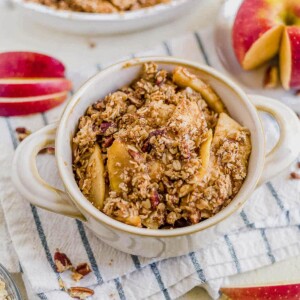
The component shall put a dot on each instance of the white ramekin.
(141, 241)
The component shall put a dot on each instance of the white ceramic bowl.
(141, 241)
(95, 23)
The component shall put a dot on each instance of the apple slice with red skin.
(20, 87)
(257, 32)
(29, 64)
(290, 58)
(275, 292)
(30, 105)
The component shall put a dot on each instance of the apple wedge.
(290, 58)
(257, 32)
(33, 87)
(184, 78)
(96, 169)
(205, 155)
(29, 64)
(226, 127)
(30, 105)
(275, 292)
(118, 159)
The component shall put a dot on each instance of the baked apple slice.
(227, 128)
(184, 78)
(118, 159)
(96, 169)
(205, 154)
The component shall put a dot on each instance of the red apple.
(33, 87)
(30, 105)
(257, 31)
(29, 64)
(275, 292)
(290, 58)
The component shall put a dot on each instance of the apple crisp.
(99, 6)
(162, 152)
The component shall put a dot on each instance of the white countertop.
(17, 33)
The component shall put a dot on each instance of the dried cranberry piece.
(154, 199)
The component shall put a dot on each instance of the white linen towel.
(266, 231)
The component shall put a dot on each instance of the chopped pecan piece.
(295, 175)
(108, 141)
(22, 133)
(81, 293)
(62, 262)
(48, 150)
(147, 145)
(108, 128)
(83, 269)
(135, 155)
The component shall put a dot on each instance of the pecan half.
(62, 262)
(81, 293)
(83, 269)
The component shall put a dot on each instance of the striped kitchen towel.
(266, 231)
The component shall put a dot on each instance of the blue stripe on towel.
(232, 253)
(278, 200)
(202, 49)
(158, 278)
(167, 48)
(11, 133)
(136, 262)
(99, 67)
(45, 119)
(268, 246)
(42, 296)
(197, 267)
(89, 252)
(43, 238)
(246, 220)
(120, 289)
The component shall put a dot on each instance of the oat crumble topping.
(99, 6)
(155, 154)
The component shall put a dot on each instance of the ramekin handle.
(29, 183)
(287, 148)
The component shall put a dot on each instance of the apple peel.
(33, 87)
(30, 105)
(29, 64)
(275, 292)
